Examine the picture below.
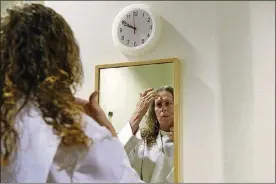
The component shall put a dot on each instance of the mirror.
(141, 100)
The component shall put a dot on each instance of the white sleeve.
(127, 138)
(106, 162)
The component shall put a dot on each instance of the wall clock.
(136, 29)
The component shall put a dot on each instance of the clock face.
(135, 28)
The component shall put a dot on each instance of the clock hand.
(127, 25)
(133, 22)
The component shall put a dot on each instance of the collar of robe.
(164, 133)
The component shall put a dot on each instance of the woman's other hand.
(171, 134)
(93, 110)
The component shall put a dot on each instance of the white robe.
(40, 155)
(152, 164)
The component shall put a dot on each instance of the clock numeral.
(121, 30)
(135, 44)
(127, 41)
(143, 41)
(123, 37)
(149, 19)
(135, 13)
(150, 27)
(148, 35)
(128, 16)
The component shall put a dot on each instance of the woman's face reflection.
(164, 110)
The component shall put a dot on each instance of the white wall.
(9, 4)
(120, 88)
(228, 59)
(263, 61)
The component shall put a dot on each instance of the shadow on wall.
(197, 104)
(237, 91)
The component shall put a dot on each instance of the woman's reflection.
(151, 150)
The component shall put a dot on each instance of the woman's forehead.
(166, 96)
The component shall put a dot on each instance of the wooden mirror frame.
(176, 81)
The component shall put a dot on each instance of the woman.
(151, 152)
(45, 135)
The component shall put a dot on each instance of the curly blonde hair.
(150, 133)
(40, 62)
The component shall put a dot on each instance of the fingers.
(146, 92)
(171, 134)
(80, 101)
(93, 96)
(151, 96)
(171, 129)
